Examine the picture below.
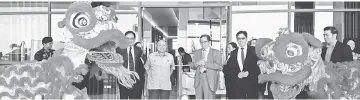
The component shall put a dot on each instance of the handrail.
(181, 65)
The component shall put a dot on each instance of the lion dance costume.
(293, 64)
(88, 28)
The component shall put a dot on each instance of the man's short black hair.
(233, 44)
(136, 43)
(332, 29)
(46, 40)
(130, 32)
(181, 50)
(207, 37)
(241, 32)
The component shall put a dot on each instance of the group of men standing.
(158, 67)
(240, 69)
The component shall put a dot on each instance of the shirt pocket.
(168, 62)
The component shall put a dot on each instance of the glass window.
(324, 5)
(315, 5)
(57, 33)
(322, 19)
(127, 22)
(22, 35)
(347, 5)
(23, 6)
(303, 22)
(195, 30)
(159, 3)
(247, 5)
(259, 25)
(303, 5)
(60, 6)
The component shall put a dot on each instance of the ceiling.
(163, 16)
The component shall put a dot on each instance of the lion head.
(287, 55)
(91, 34)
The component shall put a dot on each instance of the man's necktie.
(242, 55)
(203, 54)
(131, 61)
(182, 58)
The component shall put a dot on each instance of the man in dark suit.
(335, 51)
(243, 70)
(132, 61)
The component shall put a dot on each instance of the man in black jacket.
(243, 70)
(335, 51)
(132, 61)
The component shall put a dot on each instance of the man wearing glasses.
(132, 61)
(243, 70)
(207, 63)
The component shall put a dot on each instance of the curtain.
(304, 21)
(351, 20)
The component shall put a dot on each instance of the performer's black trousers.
(134, 93)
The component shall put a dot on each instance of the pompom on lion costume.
(293, 61)
(88, 28)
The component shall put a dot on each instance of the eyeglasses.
(326, 35)
(202, 42)
(241, 38)
(130, 38)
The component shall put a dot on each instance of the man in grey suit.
(207, 63)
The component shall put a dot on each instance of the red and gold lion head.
(88, 28)
(289, 55)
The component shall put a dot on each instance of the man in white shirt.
(159, 67)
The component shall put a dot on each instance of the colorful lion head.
(91, 34)
(88, 28)
(293, 53)
(289, 54)
(91, 27)
(94, 35)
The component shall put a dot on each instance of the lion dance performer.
(89, 28)
(293, 61)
